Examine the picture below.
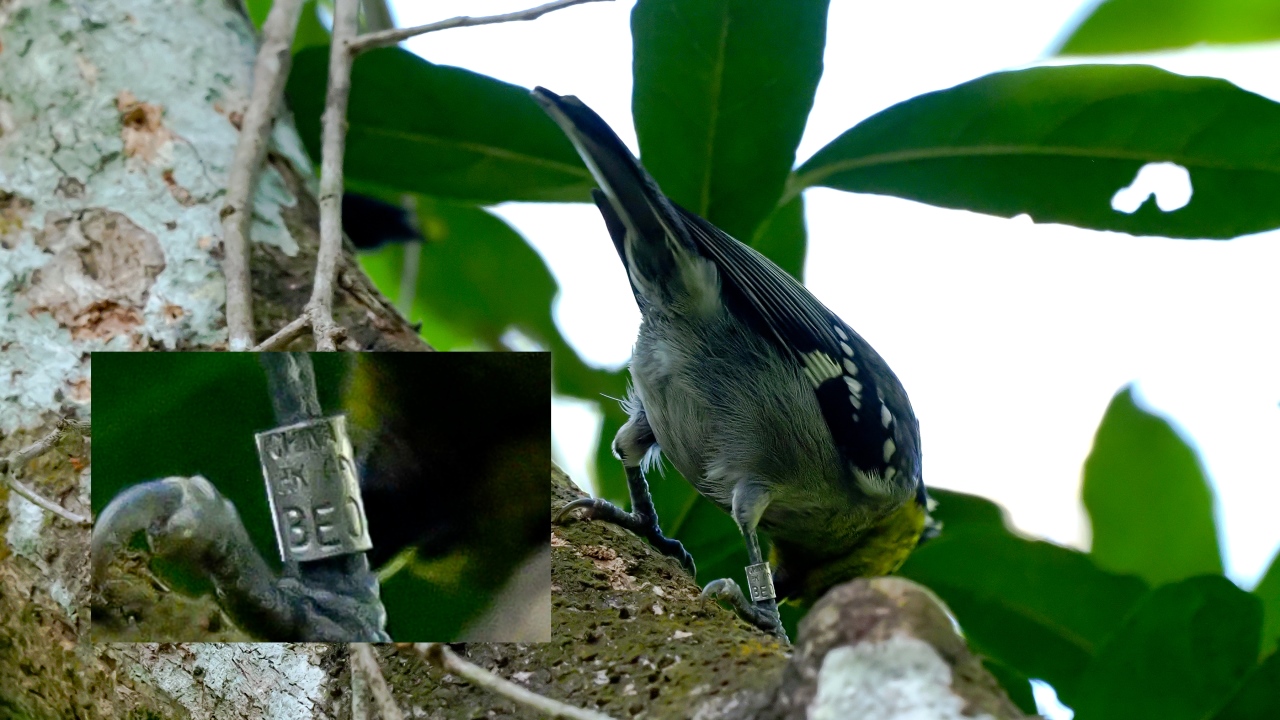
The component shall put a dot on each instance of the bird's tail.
(646, 228)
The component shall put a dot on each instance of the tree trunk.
(118, 120)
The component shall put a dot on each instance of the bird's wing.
(863, 403)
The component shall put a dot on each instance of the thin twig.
(333, 144)
(346, 42)
(359, 710)
(364, 661)
(284, 335)
(270, 71)
(19, 458)
(441, 656)
(368, 41)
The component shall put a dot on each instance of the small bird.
(763, 399)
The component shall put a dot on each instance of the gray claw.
(563, 513)
(727, 590)
(168, 510)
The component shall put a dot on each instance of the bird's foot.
(191, 525)
(645, 527)
(763, 614)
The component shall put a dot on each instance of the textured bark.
(631, 637)
(117, 124)
(885, 648)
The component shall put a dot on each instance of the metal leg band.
(315, 496)
(760, 582)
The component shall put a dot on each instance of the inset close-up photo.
(321, 497)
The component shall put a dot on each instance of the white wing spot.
(850, 367)
(840, 332)
(855, 387)
(889, 449)
(855, 392)
(889, 473)
(844, 348)
(886, 417)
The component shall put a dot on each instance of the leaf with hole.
(1057, 143)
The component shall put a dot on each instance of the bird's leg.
(187, 521)
(761, 610)
(634, 440)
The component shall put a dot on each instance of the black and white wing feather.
(863, 403)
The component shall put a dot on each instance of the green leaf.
(1182, 652)
(722, 91)
(1015, 684)
(783, 238)
(611, 479)
(1257, 697)
(1268, 590)
(441, 131)
(958, 511)
(310, 30)
(1057, 143)
(1125, 26)
(258, 10)
(478, 276)
(1039, 608)
(477, 279)
(1148, 500)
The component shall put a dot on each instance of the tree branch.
(441, 656)
(386, 38)
(365, 663)
(346, 14)
(346, 43)
(270, 71)
(284, 335)
(20, 458)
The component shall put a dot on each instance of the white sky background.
(1010, 337)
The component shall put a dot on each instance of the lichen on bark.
(117, 125)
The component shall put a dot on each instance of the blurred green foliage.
(1129, 26)
(722, 92)
(1149, 499)
(1178, 655)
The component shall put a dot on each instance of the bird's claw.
(647, 528)
(189, 522)
(763, 615)
(562, 516)
(180, 516)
